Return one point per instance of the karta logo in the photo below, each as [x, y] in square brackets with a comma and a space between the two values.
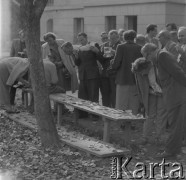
[166, 170]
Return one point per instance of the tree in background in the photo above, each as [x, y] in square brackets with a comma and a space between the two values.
[31, 12]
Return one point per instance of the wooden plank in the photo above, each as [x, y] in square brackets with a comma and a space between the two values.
[98, 110]
[62, 98]
[73, 139]
[106, 130]
[100, 150]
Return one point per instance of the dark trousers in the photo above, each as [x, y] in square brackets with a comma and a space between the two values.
[88, 90]
[108, 91]
[105, 91]
[113, 91]
[177, 119]
[12, 95]
[13, 90]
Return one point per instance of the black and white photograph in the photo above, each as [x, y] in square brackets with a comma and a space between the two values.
[92, 89]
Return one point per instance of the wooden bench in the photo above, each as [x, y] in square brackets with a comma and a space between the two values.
[107, 114]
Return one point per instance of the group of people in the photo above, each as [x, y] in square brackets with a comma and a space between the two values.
[160, 78]
[149, 70]
[130, 70]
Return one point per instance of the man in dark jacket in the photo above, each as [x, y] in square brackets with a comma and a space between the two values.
[173, 82]
[88, 69]
[150, 94]
[126, 54]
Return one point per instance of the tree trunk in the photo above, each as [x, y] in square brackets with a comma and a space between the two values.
[31, 13]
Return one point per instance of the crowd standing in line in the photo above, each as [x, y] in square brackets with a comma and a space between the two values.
[128, 69]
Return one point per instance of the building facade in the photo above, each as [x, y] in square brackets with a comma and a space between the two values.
[69, 17]
[5, 24]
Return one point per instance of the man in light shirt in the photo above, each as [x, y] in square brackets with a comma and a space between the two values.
[51, 76]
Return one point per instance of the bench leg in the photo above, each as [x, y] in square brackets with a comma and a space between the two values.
[59, 114]
[76, 115]
[106, 130]
[25, 99]
[127, 133]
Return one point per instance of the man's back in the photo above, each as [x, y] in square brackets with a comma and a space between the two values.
[50, 72]
[171, 47]
[87, 63]
[173, 80]
[126, 54]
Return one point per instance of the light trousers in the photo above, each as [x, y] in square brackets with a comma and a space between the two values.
[127, 98]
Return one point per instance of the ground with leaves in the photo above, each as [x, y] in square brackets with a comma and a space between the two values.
[23, 157]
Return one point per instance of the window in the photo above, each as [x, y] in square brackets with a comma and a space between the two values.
[110, 23]
[78, 27]
[50, 3]
[49, 25]
[131, 22]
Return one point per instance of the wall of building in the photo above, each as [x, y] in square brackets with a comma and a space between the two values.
[5, 30]
[63, 13]
[175, 12]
